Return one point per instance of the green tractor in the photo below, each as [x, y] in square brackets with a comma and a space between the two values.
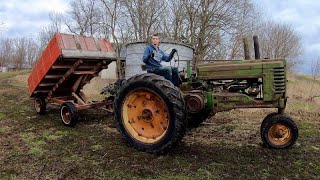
[153, 115]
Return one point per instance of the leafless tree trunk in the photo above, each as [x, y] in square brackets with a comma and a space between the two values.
[20, 52]
[83, 18]
[315, 72]
[46, 33]
[214, 27]
[280, 41]
[32, 52]
[145, 16]
[111, 10]
[6, 51]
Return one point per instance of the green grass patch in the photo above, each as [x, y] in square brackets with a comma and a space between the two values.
[36, 150]
[96, 147]
[35, 143]
[28, 137]
[303, 105]
[2, 130]
[2, 115]
[7, 174]
[7, 75]
[73, 158]
[32, 140]
[309, 129]
[53, 136]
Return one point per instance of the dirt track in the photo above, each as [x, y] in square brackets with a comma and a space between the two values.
[226, 146]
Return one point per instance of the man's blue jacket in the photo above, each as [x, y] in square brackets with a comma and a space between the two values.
[153, 56]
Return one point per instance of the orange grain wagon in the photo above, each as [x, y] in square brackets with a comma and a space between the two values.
[65, 66]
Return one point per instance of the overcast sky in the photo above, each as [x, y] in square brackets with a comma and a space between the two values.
[27, 17]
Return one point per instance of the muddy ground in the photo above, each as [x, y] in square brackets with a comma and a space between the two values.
[227, 146]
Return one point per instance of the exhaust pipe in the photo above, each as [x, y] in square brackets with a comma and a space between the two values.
[246, 49]
[256, 47]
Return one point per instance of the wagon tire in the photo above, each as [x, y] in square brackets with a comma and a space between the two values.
[40, 105]
[69, 114]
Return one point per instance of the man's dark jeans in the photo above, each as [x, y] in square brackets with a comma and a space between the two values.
[170, 73]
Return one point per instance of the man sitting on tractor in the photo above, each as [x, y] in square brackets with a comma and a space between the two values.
[153, 56]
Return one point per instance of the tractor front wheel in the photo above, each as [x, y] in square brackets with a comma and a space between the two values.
[150, 113]
[278, 131]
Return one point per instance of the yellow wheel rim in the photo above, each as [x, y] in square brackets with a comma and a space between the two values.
[279, 134]
[145, 116]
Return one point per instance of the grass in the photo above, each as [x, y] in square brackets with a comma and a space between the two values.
[2, 115]
[54, 136]
[227, 146]
[12, 74]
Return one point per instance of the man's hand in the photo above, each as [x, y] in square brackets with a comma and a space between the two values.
[173, 51]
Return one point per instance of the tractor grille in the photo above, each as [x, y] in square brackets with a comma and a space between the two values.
[279, 80]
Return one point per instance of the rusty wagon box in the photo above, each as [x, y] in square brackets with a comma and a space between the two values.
[65, 66]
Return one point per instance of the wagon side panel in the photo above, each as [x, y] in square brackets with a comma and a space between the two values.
[44, 63]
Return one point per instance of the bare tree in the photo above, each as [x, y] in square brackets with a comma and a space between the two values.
[32, 52]
[6, 51]
[211, 25]
[83, 18]
[18, 51]
[214, 27]
[173, 21]
[145, 16]
[280, 41]
[20, 45]
[56, 25]
[245, 22]
[110, 18]
[315, 72]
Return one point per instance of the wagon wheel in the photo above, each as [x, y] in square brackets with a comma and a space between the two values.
[69, 114]
[40, 105]
[150, 113]
[279, 131]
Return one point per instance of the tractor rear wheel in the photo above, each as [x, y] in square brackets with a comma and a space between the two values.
[40, 105]
[150, 113]
[279, 131]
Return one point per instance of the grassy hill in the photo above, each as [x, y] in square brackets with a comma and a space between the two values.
[226, 146]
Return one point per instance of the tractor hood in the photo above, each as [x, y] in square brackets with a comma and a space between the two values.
[236, 69]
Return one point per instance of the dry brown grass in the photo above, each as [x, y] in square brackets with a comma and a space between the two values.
[300, 89]
[92, 90]
[227, 145]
